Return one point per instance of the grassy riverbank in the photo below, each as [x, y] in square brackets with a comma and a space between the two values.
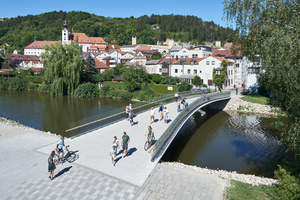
[245, 191]
[256, 98]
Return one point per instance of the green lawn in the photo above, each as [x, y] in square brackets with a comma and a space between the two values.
[256, 98]
[244, 191]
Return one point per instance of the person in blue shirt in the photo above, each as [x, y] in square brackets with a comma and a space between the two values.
[60, 145]
[161, 111]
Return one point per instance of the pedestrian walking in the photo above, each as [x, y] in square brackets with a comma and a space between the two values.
[113, 155]
[183, 103]
[130, 107]
[149, 133]
[152, 114]
[176, 96]
[178, 106]
[161, 110]
[131, 115]
[125, 141]
[51, 164]
[237, 91]
[127, 112]
[166, 112]
[116, 144]
[203, 95]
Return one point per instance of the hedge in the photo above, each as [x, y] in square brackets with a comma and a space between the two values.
[118, 85]
[161, 88]
[34, 79]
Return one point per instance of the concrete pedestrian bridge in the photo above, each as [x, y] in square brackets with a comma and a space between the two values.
[94, 147]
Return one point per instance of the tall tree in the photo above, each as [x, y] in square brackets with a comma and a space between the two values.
[89, 67]
[63, 67]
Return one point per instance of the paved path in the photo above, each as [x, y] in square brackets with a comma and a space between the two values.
[94, 147]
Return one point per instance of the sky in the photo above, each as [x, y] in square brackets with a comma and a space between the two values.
[211, 10]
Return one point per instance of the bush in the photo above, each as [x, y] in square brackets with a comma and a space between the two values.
[17, 84]
[170, 80]
[156, 78]
[86, 90]
[115, 85]
[124, 95]
[96, 79]
[288, 186]
[204, 85]
[161, 88]
[184, 86]
[3, 83]
[44, 87]
[32, 87]
[34, 79]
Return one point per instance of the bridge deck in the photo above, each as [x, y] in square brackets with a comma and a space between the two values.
[94, 147]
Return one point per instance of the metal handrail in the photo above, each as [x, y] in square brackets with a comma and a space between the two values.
[115, 115]
[167, 137]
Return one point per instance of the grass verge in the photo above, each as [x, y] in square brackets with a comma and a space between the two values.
[245, 191]
[256, 98]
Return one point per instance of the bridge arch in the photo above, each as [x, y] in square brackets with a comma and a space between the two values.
[167, 137]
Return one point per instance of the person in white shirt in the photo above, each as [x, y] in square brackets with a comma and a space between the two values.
[116, 144]
[166, 112]
[152, 114]
[113, 154]
[176, 96]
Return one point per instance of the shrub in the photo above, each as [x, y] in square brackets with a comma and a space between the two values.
[204, 85]
[116, 85]
[156, 78]
[44, 87]
[161, 88]
[86, 90]
[3, 83]
[184, 86]
[288, 186]
[170, 80]
[124, 95]
[32, 87]
[96, 79]
[34, 79]
[17, 84]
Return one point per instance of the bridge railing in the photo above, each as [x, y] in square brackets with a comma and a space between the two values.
[92, 123]
[167, 137]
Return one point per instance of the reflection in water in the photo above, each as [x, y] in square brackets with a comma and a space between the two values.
[233, 142]
[52, 113]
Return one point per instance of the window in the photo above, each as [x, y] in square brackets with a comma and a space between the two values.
[213, 62]
[189, 71]
[176, 70]
[237, 65]
[64, 33]
[207, 62]
[184, 52]
[228, 72]
[231, 81]
[195, 71]
[160, 70]
[194, 55]
[231, 72]
[200, 71]
[192, 62]
[152, 70]
[147, 69]
[164, 70]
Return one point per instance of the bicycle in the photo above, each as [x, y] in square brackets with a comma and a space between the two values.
[149, 143]
[68, 156]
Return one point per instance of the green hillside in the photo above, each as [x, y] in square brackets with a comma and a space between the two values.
[20, 31]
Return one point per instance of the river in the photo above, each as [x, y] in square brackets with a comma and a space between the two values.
[233, 142]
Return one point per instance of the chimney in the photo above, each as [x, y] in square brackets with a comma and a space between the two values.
[34, 38]
[133, 40]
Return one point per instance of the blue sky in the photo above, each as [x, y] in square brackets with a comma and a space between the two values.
[211, 10]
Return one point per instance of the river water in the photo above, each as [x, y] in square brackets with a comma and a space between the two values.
[243, 143]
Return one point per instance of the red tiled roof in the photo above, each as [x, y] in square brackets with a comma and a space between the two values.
[228, 45]
[100, 65]
[98, 48]
[82, 38]
[222, 58]
[6, 70]
[221, 53]
[36, 69]
[113, 46]
[144, 48]
[40, 44]
[24, 57]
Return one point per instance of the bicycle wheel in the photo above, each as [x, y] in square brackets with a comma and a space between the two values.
[70, 156]
[146, 146]
[56, 159]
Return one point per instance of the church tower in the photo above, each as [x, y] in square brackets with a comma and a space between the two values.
[65, 34]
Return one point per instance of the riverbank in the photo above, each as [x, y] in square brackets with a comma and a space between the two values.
[244, 178]
[237, 104]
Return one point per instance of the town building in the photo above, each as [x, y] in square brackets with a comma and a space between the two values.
[37, 47]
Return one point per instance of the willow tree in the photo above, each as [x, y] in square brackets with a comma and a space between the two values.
[63, 67]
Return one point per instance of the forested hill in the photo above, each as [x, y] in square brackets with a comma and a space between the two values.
[20, 31]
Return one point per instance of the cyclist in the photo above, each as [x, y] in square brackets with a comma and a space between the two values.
[150, 134]
[60, 145]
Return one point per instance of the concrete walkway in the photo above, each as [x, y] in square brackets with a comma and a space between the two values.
[24, 175]
[94, 147]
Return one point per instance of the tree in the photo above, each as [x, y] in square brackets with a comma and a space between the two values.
[197, 80]
[220, 81]
[63, 67]
[156, 56]
[89, 67]
[119, 69]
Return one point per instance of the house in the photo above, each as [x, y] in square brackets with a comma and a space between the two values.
[118, 79]
[100, 66]
[127, 57]
[139, 59]
[151, 66]
[200, 52]
[37, 47]
[97, 49]
[17, 59]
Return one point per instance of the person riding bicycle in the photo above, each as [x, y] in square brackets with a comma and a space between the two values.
[60, 145]
[150, 134]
